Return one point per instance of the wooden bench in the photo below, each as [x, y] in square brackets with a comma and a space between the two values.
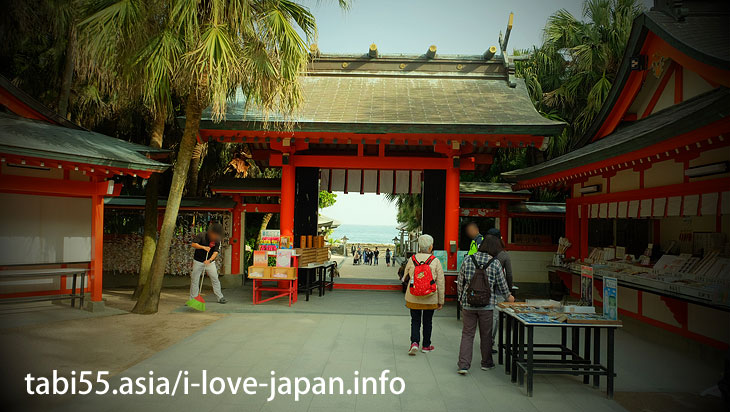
[7, 274]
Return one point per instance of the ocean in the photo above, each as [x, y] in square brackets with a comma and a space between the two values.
[366, 233]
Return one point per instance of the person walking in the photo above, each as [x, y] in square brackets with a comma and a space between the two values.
[479, 317]
[495, 247]
[422, 272]
[375, 255]
[387, 257]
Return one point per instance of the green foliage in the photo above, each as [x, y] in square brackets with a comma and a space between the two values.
[326, 199]
[409, 209]
[569, 76]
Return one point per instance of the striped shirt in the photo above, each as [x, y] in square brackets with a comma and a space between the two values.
[494, 273]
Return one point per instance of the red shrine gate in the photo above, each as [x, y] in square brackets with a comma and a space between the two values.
[389, 125]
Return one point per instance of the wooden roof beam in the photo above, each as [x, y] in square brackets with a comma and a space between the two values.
[431, 52]
[505, 41]
[373, 51]
[491, 51]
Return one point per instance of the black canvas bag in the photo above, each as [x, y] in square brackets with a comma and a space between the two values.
[479, 292]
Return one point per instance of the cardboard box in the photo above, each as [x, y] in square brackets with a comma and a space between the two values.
[259, 272]
[283, 273]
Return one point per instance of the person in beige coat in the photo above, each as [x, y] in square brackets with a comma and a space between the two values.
[422, 307]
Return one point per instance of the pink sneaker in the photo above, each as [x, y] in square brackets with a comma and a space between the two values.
[414, 348]
[427, 349]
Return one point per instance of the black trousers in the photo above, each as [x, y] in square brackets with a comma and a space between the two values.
[419, 317]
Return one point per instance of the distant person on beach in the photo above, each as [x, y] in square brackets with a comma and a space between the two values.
[387, 257]
[420, 267]
[353, 250]
[356, 258]
[472, 230]
[375, 255]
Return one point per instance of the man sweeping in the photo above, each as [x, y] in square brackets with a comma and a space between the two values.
[206, 245]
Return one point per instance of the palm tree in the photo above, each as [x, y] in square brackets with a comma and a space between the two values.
[249, 44]
[128, 48]
[410, 209]
[570, 75]
[48, 30]
[203, 50]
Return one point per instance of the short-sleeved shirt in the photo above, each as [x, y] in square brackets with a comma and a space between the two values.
[202, 239]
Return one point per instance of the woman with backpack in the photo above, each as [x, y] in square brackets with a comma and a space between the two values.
[480, 280]
[424, 294]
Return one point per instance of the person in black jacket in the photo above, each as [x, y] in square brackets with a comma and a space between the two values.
[207, 246]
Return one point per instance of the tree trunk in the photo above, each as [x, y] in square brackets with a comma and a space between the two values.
[68, 72]
[149, 299]
[149, 242]
[264, 225]
[195, 168]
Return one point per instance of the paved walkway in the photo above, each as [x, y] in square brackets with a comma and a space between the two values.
[380, 271]
[322, 343]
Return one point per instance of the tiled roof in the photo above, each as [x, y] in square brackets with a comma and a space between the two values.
[34, 138]
[138, 202]
[489, 188]
[676, 120]
[424, 97]
[703, 35]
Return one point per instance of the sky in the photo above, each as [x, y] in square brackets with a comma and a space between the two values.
[365, 209]
[410, 27]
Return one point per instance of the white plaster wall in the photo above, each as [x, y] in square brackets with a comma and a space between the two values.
[529, 266]
[694, 84]
[44, 229]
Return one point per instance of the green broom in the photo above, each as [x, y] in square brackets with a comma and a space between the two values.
[198, 303]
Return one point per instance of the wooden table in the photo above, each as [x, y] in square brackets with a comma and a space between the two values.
[517, 350]
[320, 273]
[53, 272]
[289, 290]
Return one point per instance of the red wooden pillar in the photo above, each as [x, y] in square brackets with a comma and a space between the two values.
[236, 237]
[97, 245]
[451, 214]
[286, 216]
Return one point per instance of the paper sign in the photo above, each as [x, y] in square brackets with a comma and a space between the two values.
[260, 258]
[442, 257]
[586, 285]
[610, 298]
[283, 258]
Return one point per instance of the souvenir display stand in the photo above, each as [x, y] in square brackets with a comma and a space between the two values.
[274, 269]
